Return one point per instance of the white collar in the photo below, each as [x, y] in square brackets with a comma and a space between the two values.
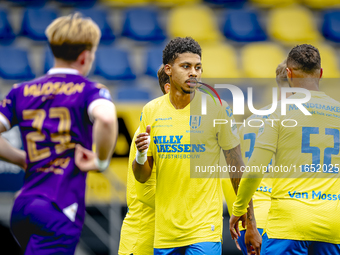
[59, 70]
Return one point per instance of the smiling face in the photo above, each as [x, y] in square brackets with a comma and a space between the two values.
[184, 72]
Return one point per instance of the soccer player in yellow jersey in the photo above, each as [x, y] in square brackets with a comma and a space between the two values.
[305, 205]
[248, 134]
[188, 211]
[137, 234]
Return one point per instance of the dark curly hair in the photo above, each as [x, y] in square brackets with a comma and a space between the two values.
[304, 57]
[178, 46]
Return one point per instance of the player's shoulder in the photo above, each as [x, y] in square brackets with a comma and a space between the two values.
[19, 86]
[216, 104]
[37, 80]
[214, 101]
[89, 84]
[257, 116]
[156, 103]
[93, 87]
[332, 101]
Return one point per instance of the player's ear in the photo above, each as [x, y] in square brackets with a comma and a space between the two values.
[289, 73]
[167, 69]
[167, 88]
[321, 72]
[82, 57]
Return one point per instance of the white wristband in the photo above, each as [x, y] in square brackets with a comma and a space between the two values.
[141, 157]
[102, 165]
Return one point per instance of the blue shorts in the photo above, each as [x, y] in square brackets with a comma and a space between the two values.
[294, 247]
[40, 227]
[241, 242]
[193, 249]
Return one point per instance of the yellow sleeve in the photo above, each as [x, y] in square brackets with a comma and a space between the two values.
[227, 135]
[142, 126]
[268, 135]
[146, 191]
[251, 180]
[229, 194]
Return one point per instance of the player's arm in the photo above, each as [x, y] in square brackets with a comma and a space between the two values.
[229, 194]
[105, 133]
[9, 153]
[142, 165]
[248, 186]
[234, 158]
[7, 120]
[230, 198]
[251, 180]
[105, 130]
[146, 192]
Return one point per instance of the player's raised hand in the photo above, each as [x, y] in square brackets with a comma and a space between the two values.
[143, 140]
[253, 241]
[85, 159]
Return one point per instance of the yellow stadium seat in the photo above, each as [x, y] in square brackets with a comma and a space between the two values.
[219, 61]
[260, 60]
[126, 3]
[196, 21]
[293, 25]
[98, 188]
[167, 3]
[319, 4]
[329, 61]
[271, 3]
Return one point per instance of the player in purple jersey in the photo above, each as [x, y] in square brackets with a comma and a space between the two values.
[60, 116]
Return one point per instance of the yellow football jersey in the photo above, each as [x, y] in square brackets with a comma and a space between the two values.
[261, 198]
[304, 206]
[188, 201]
[137, 233]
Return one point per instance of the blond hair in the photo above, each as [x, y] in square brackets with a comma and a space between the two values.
[70, 35]
[281, 74]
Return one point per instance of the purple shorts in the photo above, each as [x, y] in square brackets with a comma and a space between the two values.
[40, 227]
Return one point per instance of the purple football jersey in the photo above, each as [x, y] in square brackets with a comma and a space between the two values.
[52, 113]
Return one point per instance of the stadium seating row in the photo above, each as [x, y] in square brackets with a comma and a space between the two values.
[63, 2]
[258, 60]
[289, 25]
[260, 3]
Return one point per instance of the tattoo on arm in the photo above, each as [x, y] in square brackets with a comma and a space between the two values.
[234, 158]
[250, 213]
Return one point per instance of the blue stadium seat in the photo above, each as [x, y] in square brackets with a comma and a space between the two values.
[113, 64]
[6, 32]
[154, 59]
[14, 64]
[35, 21]
[48, 60]
[100, 17]
[243, 26]
[29, 2]
[331, 25]
[228, 3]
[136, 94]
[80, 3]
[142, 24]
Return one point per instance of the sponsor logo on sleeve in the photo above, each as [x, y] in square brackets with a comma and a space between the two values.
[105, 93]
